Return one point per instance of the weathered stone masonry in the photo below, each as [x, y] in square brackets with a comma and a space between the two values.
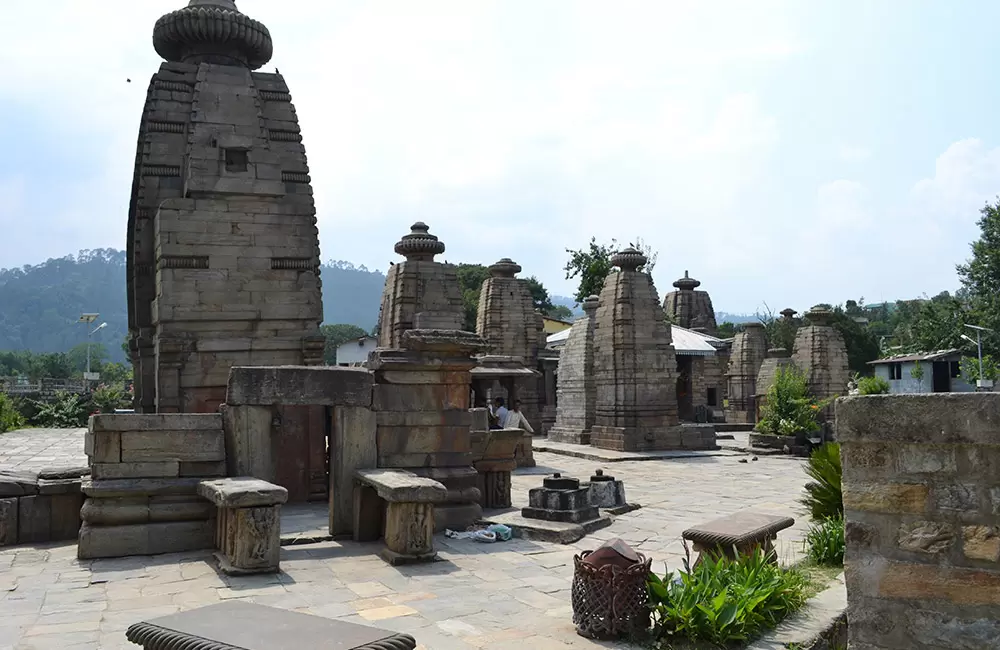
[223, 253]
[922, 503]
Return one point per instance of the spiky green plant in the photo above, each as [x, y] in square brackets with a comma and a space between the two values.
[824, 497]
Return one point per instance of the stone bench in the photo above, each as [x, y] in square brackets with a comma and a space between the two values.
[738, 534]
[399, 507]
[248, 523]
[236, 624]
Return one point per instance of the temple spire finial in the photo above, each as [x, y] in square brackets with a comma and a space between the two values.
[212, 31]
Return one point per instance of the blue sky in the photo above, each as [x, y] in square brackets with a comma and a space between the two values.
[786, 153]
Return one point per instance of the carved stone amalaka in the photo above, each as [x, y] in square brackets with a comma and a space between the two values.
[209, 287]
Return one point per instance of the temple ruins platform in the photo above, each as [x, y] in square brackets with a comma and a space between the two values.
[611, 456]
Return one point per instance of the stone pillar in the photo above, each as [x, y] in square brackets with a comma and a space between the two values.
[421, 399]
[634, 363]
[577, 392]
[749, 351]
[922, 511]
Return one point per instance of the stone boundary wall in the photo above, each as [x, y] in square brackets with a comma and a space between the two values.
[37, 507]
[922, 502]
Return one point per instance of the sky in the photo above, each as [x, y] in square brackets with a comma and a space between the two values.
[785, 153]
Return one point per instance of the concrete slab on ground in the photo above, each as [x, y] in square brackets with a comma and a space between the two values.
[611, 456]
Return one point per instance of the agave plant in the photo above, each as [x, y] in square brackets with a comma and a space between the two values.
[823, 493]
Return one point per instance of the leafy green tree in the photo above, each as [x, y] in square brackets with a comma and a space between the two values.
[728, 330]
[117, 374]
[560, 312]
[77, 356]
[337, 335]
[980, 275]
[969, 367]
[592, 265]
[470, 279]
[539, 295]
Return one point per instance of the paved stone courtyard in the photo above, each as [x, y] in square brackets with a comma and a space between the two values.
[479, 595]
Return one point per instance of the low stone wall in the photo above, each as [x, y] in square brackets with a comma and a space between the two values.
[42, 506]
[680, 437]
[142, 494]
[922, 501]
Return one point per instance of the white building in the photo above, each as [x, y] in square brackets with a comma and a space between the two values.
[355, 353]
[930, 372]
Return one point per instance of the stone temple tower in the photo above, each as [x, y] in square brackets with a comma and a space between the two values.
[506, 316]
[634, 363]
[821, 354]
[223, 253]
[419, 292]
[749, 352]
[690, 308]
[577, 393]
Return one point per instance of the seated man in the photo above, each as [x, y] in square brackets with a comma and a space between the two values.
[499, 411]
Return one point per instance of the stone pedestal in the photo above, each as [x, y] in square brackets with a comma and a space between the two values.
[577, 392]
[421, 400]
[606, 492]
[493, 457]
[248, 523]
[634, 363]
[560, 499]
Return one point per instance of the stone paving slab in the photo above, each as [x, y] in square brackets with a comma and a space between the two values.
[612, 456]
[34, 449]
[478, 596]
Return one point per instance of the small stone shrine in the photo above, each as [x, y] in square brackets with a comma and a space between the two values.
[821, 354]
[749, 351]
[777, 359]
[577, 392]
[223, 253]
[560, 499]
[419, 292]
[634, 363]
[689, 308]
[606, 492]
[421, 400]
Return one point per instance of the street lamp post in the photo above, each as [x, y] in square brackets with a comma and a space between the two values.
[88, 319]
[983, 383]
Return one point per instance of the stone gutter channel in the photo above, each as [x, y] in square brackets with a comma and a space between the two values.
[820, 625]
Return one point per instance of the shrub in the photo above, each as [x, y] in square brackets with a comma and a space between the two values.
[106, 398]
[10, 416]
[723, 600]
[825, 542]
[66, 411]
[823, 493]
[873, 386]
[789, 409]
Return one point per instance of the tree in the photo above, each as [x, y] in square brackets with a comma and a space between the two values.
[539, 295]
[117, 374]
[980, 275]
[592, 265]
[337, 335]
[470, 279]
[560, 312]
[728, 330]
[78, 356]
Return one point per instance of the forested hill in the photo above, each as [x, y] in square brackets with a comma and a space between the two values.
[40, 305]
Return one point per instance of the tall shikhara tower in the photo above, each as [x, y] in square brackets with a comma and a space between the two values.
[223, 253]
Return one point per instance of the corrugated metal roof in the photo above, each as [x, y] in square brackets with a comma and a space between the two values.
[919, 356]
[686, 342]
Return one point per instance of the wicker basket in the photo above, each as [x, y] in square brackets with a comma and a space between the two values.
[609, 601]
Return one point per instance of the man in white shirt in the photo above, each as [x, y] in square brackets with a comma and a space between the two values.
[500, 411]
[516, 420]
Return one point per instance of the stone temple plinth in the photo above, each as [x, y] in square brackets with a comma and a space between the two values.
[560, 498]
[223, 253]
[689, 308]
[821, 354]
[576, 392]
[749, 351]
[635, 366]
[420, 293]
[507, 320]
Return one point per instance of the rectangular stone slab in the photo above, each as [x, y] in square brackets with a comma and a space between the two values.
[245, 626]
[738, 529]
[242, 492]
[401, 486]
